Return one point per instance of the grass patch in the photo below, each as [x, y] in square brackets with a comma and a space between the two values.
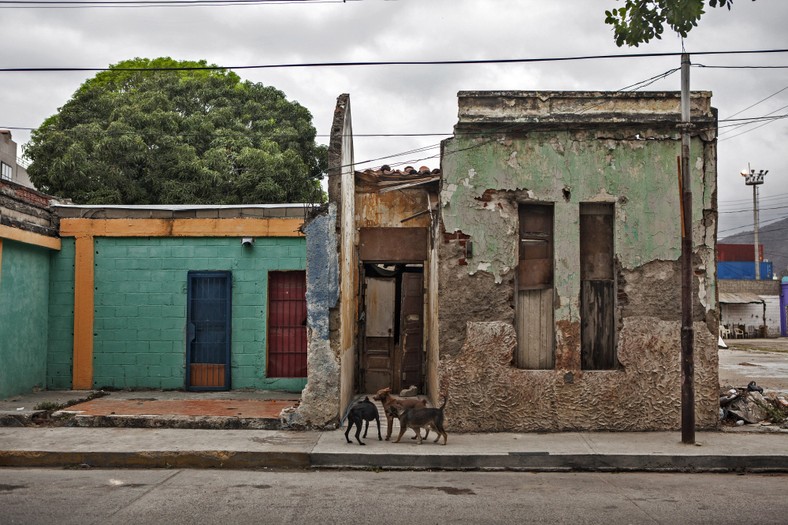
[49, 406]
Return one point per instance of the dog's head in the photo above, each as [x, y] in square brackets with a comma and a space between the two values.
[382, 394]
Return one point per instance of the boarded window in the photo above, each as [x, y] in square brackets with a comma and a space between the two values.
[535, 325]
[287, 324]
[597, 286]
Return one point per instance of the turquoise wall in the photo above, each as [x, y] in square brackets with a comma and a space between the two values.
[140, 307]
[60, 349]
[24, 298]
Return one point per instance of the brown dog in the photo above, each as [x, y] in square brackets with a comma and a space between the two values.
[418, 418]
[389, 400]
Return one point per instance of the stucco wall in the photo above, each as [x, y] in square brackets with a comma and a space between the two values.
[635, 169]
[24, 297]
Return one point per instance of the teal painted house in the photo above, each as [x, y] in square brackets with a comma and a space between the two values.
[159, 297]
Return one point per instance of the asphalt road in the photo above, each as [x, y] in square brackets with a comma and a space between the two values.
[764, 361]
[83, 497]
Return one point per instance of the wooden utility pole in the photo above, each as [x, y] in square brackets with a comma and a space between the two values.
[687, 332]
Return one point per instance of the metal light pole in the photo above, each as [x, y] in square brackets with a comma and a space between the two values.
[755, 179]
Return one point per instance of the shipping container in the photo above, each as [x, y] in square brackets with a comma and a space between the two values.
[738, 252]
[743, 270]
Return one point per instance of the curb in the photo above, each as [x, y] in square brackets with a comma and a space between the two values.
[536, 462]
[207, 459]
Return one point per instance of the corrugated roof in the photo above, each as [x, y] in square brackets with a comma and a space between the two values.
[739, 298]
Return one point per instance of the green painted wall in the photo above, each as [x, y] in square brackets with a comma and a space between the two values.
[140, 307]
[565, 169]
[24, 297]
[60, 349]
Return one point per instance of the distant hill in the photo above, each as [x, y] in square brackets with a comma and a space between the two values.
[774, 238]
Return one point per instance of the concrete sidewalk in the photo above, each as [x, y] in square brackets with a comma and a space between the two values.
[255, 449]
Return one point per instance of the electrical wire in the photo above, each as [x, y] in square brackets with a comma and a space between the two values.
[384, 63]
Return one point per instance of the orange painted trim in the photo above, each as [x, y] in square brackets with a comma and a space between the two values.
[15, 234]
[251, 227]
[82, 375]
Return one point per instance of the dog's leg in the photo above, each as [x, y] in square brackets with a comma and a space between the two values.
[389, 422]
[402, 430]
[377, 420]
[349, 426]
[418, 434]
[358, 432]
[366, 429]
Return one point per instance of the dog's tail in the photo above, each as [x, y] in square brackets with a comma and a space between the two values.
[445, 400]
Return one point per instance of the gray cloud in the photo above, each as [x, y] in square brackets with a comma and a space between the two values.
[420, 98]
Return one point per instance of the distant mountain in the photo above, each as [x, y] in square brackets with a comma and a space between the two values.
[774, 238]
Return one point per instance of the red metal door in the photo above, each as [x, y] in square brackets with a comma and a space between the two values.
[287, 324]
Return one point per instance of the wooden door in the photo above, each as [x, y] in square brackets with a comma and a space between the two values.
[535, 310]
[410, 351]
[378, 355]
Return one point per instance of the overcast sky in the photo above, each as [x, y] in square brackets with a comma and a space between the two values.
[421, 99]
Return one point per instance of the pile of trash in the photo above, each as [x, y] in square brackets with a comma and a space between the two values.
[749, 405]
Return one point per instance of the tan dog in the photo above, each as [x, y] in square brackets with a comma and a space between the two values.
[418, 418]
[389, 401]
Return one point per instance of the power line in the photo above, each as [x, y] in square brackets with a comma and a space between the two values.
[384, 62]
[66, 4]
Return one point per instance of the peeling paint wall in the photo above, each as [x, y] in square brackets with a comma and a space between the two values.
[320, 398]
[565, 149]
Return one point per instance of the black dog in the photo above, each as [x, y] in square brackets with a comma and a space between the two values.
[364, 410]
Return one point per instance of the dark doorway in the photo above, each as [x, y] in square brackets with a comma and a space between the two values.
[208, 316]
[391, 328]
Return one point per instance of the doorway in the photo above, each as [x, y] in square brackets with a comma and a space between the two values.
[208, 317]
[391, 327]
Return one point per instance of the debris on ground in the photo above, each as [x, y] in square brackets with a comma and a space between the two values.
[749, 405]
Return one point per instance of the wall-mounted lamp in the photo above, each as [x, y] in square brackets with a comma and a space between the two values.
[247, 241]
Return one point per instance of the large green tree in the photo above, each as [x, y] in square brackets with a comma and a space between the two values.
[640, 21]
[198, 136]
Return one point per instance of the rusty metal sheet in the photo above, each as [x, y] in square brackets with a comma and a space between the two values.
[393, 244]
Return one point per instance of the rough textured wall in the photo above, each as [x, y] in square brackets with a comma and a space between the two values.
[60, 346]
[487, 394]
[486, 178]
[320, 398]
[140, 307]
[24, 300]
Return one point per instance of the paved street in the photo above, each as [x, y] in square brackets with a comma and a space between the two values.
[764, 361]
[30, 496]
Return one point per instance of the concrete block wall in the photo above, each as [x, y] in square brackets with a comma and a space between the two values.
[24, 298]
[140, 307]
[60, 346]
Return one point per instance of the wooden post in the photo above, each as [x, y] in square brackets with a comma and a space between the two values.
[687, 332]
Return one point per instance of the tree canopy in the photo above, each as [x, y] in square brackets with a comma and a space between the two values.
[139, 133]
[640, 21]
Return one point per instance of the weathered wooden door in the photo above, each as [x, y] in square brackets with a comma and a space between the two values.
[535, 325]
[378, 356]
[411, 348]
[597, 287]
[208, 316]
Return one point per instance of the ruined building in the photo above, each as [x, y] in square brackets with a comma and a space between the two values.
[534, 278]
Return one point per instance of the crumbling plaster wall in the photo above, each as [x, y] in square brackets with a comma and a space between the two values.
[320, 398]
[483, 181]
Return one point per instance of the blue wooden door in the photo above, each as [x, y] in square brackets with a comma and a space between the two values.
[208, 314]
